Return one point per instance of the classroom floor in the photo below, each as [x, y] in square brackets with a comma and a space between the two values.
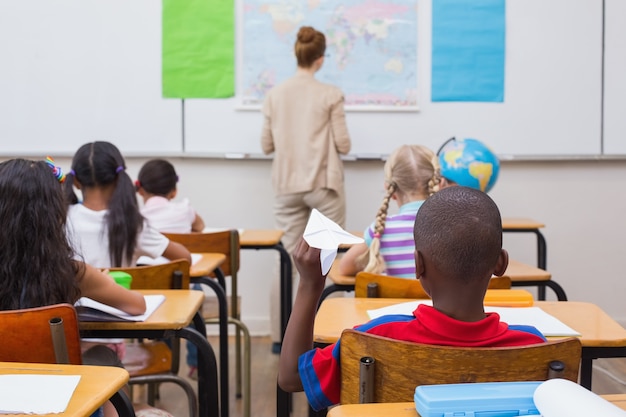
[264, 368]
[609, 377]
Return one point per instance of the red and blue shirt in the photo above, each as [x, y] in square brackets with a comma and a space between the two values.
[320, 368]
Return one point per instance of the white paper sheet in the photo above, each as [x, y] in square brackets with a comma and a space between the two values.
[36, 394]
[547, 324]
[325, 234]
[152, 303]
[560, 397]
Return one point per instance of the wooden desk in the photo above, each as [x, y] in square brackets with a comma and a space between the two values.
[207, 264]
[408, 409]
[97, 385]
[522, 275]
[601, 336]
[172, 318]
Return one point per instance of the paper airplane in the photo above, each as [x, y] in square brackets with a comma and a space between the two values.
[325, 234]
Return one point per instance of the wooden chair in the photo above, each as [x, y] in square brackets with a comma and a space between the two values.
[152, 362]
[401, 366]
[227, 243]
[394, 287]
[412, 287]
[32, 327]
[48, 334]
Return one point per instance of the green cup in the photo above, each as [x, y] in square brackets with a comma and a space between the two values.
[122, 278]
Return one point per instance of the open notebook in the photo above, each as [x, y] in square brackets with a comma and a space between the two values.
[547, 324]
[90, 310]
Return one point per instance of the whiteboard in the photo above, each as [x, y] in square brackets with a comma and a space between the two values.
[615, 77]
[75, 71]
[552, 105]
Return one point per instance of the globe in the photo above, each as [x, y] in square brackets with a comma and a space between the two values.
[470, 163]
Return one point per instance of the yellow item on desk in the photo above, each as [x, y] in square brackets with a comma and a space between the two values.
[508, 298]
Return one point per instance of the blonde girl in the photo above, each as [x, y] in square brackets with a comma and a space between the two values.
[411, 176]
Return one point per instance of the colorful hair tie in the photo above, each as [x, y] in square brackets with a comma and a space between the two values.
[56, 170]
[119, 169]
[72, 173]
[137, 183]
[377, 235]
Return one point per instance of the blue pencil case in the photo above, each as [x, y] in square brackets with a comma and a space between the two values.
[488, 399]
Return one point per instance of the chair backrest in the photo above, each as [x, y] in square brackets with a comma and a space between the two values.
[30, 335]
[401, 366]
[394, 287]
[225, 241]
[172, 275]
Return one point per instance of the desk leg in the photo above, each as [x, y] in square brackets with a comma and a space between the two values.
[283, 402]
[542, 248]
[122, 404]
[286, 290]
[207, 370]
[283, 399]
[541, 261]
[542, 255]
[223, 329]
[589, 353]
[586, 371]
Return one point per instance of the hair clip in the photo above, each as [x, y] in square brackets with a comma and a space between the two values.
[56, 170]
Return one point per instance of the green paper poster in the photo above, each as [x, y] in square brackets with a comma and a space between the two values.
[198, 48]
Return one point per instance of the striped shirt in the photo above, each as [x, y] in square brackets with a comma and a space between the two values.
[397, 246]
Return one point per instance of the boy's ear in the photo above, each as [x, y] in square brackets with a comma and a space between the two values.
[419, 264]
[502, 263]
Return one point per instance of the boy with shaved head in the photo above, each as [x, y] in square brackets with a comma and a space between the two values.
[458, 247]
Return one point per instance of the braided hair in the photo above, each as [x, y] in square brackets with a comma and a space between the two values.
[411, 173]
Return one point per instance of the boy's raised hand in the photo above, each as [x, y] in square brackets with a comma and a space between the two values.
[299, 333]
[307, 261]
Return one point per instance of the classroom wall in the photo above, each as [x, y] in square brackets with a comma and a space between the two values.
[582, 204]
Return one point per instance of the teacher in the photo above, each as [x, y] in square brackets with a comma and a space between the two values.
[305, 128]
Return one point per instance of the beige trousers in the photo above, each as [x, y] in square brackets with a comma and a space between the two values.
[291, 214]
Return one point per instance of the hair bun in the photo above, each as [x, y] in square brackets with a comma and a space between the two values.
[306, 34]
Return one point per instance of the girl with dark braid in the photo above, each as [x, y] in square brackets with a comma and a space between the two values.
[411, 176]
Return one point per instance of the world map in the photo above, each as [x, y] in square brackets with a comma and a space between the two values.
[371, 48]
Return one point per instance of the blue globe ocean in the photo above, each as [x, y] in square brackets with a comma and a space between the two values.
[470, 163]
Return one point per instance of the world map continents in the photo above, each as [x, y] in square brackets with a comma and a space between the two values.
[371, 48]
